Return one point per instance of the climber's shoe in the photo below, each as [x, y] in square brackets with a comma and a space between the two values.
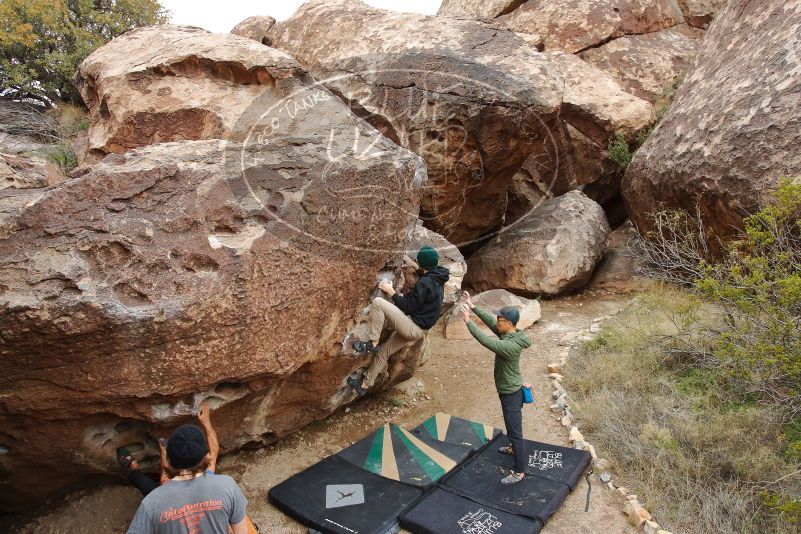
[506, 450]
[356, 384]
[512, 478]
[364, 347]
[124, 457]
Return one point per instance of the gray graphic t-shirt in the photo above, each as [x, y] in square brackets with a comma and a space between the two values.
[204, 505]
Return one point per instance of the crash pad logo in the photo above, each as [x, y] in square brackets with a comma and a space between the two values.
[479, 522]
[339, 495]
[544, 460]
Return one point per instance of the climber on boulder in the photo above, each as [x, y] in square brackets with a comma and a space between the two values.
[191, 496]
[409, 316]
[507, 347]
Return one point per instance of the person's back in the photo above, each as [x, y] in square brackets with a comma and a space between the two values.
[207, 504]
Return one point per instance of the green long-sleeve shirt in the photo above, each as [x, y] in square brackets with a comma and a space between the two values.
[507, 349]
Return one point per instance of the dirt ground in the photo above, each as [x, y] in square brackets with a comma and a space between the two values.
[457, 380]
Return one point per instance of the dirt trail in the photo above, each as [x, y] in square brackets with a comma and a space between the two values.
[457, 380]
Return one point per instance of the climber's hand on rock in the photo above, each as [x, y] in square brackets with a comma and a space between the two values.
[467, 299]
[386, 288]
[409, 262]
[203, 415]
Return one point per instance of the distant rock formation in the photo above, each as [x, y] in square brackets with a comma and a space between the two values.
[733, 128]
[255, 28]
[474, 100]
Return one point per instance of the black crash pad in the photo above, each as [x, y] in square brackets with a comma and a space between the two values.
[480, 481]
[551, 462]
[443, 512]
[334, 496]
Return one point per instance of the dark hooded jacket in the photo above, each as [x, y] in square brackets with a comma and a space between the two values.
[424, 302]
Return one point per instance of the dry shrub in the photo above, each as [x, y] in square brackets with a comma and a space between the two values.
[700, 458]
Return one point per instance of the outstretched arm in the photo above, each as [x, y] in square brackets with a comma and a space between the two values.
[487, 318]
[163, 477]
[211, 436]
[503, 348]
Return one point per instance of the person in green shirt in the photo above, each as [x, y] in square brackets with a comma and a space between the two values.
[507, 347]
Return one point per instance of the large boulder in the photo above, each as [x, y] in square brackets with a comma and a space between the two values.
[476, 10]
[550, 251]
[473, 101]
[576, 25]
[733, 128]
[595, 108]
[193, 270]
[648, 64]
[492, 301]
[173, 83]
[461, 94]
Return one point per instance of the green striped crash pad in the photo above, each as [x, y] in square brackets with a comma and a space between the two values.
[397, 454]
[365, 487]
[445, 428]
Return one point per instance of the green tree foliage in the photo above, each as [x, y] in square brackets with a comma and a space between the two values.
[42, 42]
[758, 285]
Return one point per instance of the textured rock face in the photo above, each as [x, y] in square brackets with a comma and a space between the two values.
[172, 83]
[575, 25]
[646, 64]
[595, 107]
[472, 9]
[492, 300]
[189, 271]
[550, 251]
[722, 145]
[255, 28]
[617, 272]
[20, 172]
[699, 13]
[471, 100]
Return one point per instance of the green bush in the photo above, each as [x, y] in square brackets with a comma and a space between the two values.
[619, 151]
[701, 458]
[63, 156]
[696, 392]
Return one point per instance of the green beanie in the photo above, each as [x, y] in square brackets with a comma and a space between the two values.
[427, 257]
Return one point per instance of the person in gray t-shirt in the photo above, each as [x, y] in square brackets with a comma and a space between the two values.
[195, 500]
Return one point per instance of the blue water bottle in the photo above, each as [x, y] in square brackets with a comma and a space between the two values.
[528, 396]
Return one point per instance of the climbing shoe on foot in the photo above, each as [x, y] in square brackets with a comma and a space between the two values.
[356, 384]
[364, 347]
[506, 450]
[124, 457]
[512, 478]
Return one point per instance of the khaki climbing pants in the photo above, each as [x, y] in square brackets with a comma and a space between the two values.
[405, 332]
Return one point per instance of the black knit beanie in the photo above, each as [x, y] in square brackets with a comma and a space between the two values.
[186, 447]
